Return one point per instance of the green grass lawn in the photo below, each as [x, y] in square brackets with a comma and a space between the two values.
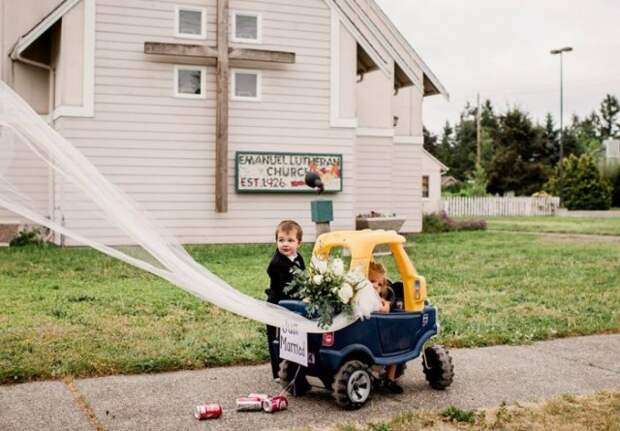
[590, 226]
[76, 312]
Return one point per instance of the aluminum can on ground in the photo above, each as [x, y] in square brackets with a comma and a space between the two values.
[275, 404]
[208, 411]
[260, 396]
[249, 404]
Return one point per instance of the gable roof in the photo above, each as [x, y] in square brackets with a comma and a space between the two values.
[370, 26]
[433, 159]
[35, 32]
[380, 38]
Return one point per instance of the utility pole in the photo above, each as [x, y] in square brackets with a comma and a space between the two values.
[554, 52]
[478, 137]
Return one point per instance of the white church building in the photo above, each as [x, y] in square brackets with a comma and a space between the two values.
[208, 113]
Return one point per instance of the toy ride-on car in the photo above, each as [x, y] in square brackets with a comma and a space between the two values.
[350, 362]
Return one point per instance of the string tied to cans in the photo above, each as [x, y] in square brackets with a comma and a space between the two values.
[250, 403]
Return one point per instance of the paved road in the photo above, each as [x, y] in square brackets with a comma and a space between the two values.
[484, 377]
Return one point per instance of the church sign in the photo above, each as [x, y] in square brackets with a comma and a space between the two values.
[285, 172]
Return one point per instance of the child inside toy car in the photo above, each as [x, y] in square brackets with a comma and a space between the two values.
[377, 274]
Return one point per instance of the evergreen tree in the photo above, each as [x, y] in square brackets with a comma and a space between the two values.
[551, 141]
[488, 119]
[464, 148]
[488, 125]
[519, 163]
[446, 144]
[430, 142]
[609, 125]
[585, 133]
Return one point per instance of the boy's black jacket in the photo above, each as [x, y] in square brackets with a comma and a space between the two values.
[280, 275]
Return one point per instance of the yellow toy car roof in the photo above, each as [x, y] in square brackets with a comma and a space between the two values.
[361, 244]
[359, 238]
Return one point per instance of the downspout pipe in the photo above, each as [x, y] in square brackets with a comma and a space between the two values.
[16, 56]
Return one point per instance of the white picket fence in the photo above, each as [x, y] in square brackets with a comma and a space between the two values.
[501, 206]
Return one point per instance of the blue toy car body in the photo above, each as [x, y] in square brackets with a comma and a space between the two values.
[384, 339]
[350, 361]
[367, 346]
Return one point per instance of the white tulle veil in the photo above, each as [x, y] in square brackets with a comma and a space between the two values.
[35, 157]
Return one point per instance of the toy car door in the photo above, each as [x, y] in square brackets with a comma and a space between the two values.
[398, 331]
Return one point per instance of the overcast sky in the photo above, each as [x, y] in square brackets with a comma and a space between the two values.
[500, 48]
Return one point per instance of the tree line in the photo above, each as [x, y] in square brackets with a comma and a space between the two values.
[519, 155]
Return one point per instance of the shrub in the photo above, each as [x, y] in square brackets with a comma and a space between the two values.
[474, 186]
[583, 187]
[27, 237]
[441, 222]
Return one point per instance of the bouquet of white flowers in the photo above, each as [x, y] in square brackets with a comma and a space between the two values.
[328, 291]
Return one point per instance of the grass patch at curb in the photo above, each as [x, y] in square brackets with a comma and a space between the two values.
[600, 411]
[74, 312]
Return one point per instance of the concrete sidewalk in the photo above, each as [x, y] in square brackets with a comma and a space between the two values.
[484, 377]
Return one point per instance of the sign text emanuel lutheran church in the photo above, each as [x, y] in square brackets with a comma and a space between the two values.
[285, 172]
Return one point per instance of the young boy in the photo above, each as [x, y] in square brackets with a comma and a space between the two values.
[288, 239]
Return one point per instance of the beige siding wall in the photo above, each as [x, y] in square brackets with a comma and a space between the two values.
[374, 101]
[373, 185]
[18, 164]
[407, 106]
[69, 70]
[433, 171]
[160, 149]
[348, 74]
[27, 174]
[389, 179]
[407, 185]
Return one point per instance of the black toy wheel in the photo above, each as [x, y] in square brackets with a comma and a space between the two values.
[290, 371]
[438, 368]
[352, 385]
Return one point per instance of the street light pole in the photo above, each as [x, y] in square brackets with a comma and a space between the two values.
[554, 52]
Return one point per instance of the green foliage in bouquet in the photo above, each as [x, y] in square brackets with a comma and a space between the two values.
[326, 289]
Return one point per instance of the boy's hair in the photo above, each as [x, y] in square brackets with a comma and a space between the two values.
[288, 226]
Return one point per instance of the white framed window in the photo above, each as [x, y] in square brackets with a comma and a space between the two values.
[190, 82]
[246, 85]
[247, 27]
[425, 186]
[190, 22]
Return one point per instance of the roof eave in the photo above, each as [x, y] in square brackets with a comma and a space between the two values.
[41, 27]
[434, 159]
[437, 86]
[431, 88]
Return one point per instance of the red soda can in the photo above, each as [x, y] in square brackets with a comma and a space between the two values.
[275, 404]
[249, 404]
[261, 396]
[208, 411]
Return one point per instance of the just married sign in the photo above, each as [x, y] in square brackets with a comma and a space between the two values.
[293, 344]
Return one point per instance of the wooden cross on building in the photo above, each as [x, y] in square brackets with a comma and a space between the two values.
[220, 56]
